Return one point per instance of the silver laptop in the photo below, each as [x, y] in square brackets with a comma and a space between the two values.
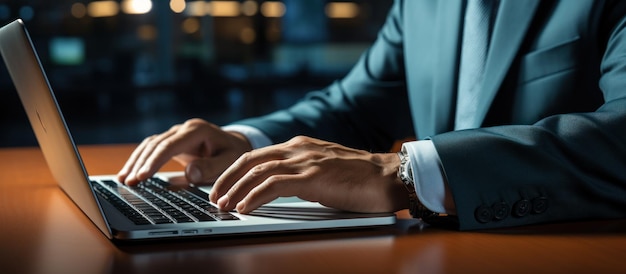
[155, 208]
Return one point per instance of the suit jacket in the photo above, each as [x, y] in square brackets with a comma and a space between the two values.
[550, 143]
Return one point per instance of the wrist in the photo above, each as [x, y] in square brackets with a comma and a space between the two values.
[241, 140]
[394, 189]
[253, 136]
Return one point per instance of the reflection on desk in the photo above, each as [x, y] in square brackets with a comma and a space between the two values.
[48, 234]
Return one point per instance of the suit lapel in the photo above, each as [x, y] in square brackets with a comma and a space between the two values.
[510, 27]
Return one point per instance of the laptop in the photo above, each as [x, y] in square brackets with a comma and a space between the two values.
[155, 209]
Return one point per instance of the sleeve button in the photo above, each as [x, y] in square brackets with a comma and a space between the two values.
[540, 205]
[500, 210]
[522, 208]
[483, 214]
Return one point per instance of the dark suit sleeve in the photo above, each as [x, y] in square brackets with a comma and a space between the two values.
[564, 167]
[367, 109]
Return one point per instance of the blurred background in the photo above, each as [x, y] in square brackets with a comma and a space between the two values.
[123, 70]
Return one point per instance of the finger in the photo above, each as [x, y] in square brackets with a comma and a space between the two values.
[128, 167]
[137, 172]
[166, 149]
[205, 170]
[255, 176]
[241, 167]
[284, 185]
[125, 170]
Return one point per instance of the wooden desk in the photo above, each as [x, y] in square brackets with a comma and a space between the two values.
[50, 235]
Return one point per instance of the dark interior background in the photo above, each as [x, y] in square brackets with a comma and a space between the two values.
[123, 70]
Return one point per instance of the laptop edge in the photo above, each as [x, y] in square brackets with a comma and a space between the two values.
[68, 170]
[52, 132]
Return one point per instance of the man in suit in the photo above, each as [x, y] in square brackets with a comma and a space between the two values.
[528, 127]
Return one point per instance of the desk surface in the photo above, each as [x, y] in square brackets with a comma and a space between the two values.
[50, 235]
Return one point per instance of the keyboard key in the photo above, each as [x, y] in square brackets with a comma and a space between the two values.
[123, 207]
[110, 183]
[161, 203]
[226, 217]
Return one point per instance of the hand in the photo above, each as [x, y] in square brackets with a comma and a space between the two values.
[203, 148]
[313, 170]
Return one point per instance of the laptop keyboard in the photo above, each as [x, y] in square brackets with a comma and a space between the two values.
[155, 201]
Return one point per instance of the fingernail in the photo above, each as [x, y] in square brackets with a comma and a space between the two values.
[223, 201]
[194, 174]
[240, 207]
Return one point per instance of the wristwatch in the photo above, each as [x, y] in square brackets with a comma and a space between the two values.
[405, 173]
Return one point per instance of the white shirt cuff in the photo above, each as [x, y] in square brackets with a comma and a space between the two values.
[431, 188]
[256, 138]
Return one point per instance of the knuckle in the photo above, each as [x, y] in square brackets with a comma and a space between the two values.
[245, 157]
[150, 138]
[194, 122]
[189, 123]
[258, 170]
[270, 185]
[272, 182]
[174, 128]
[264, 168]
[300, 139]
[300, 142]
[151, 144]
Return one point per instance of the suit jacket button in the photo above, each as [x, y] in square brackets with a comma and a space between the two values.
[522, 208]
[500, 210]
[483, 214]
[540, 205]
